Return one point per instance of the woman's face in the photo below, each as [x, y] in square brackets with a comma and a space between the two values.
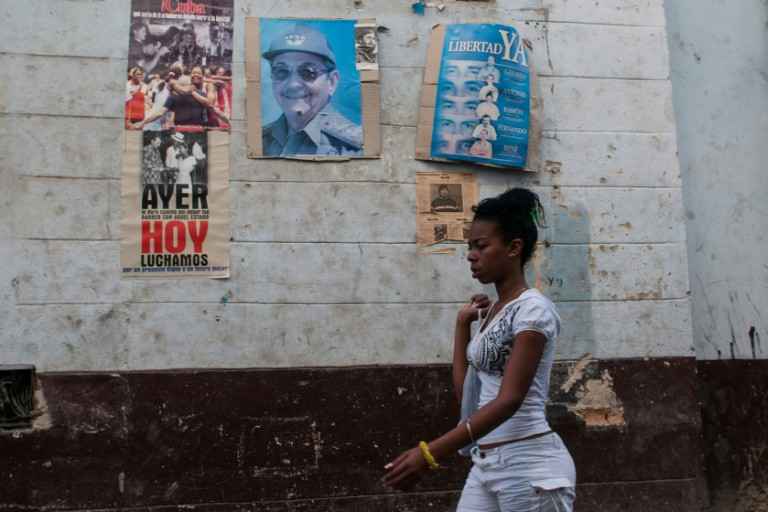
[490, 257]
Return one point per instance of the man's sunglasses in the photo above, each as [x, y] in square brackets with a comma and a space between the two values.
[307, 72]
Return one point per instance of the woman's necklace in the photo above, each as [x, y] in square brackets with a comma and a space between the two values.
[514, 295]
[499, 304]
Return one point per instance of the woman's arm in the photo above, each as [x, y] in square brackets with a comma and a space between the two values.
[460, 341]
[518, 374]
[467, 314]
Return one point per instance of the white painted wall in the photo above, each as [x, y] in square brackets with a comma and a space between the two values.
[325, 267]
[719, 55]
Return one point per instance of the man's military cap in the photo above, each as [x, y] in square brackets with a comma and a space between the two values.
[300, 38]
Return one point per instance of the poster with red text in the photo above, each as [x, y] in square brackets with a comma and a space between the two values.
[175, 202]
[178, 106]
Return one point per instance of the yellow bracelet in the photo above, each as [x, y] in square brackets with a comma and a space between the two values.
[424, 447]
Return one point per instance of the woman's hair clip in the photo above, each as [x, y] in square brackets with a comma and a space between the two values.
[537, 216]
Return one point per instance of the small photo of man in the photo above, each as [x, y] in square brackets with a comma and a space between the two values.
[366, 47]
[446, 198]
[310, 94]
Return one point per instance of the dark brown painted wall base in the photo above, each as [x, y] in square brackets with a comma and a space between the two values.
[734, 397]
[316, 439]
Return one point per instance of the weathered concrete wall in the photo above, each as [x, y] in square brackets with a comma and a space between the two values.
[719, 56]
[719, 62]
[325, 268]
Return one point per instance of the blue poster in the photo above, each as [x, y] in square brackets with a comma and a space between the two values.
[310, 96]
[482, 106]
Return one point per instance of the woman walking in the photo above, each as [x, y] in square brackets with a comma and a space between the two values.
[501, 374]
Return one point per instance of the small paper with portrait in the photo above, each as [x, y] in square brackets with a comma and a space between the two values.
[312, 88]
[444, 207]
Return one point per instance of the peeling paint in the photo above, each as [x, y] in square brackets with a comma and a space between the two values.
[577, 373]
[598, 404]
[42, 418]
[596, 401]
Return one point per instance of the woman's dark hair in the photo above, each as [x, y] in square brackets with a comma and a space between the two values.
[519, 214]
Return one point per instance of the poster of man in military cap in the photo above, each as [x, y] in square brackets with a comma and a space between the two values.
[310, 91]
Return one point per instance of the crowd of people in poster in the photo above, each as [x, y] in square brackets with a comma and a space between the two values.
[179, 66]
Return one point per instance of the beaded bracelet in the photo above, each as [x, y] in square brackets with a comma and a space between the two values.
[424, 447]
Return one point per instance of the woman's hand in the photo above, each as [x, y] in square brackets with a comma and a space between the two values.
[405, 470]
[470, 312]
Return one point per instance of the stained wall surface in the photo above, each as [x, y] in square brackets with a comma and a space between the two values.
[325, 267]
[719, 63]
[719, 55]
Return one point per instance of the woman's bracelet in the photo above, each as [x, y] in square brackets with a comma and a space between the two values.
[469, 431]
[431, 462]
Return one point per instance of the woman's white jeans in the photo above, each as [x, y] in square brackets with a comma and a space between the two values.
[535, 475]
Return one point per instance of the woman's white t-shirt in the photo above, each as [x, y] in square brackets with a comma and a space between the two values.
[489, 350]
